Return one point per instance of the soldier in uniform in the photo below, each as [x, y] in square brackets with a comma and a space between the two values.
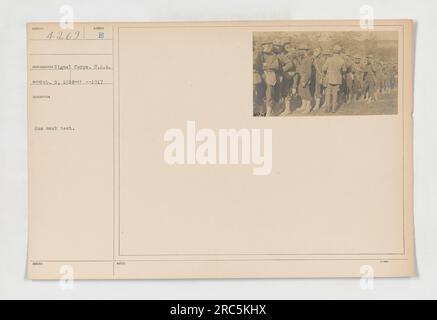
[326, 54]
[379, 74]
[318, 62]
[348, 79]
[391, 77]
[370, 79]
[278, 49]
[270, 69]
[288, 65]
[384, 77]
[258, 84]
[358, 73]
[334, 67]
[296, 77]
[304, 69]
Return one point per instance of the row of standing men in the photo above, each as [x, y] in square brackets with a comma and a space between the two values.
[318, 79]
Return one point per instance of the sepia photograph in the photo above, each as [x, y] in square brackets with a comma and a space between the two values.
[325, 73]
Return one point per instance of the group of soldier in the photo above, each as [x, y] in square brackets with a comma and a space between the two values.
[318, 79]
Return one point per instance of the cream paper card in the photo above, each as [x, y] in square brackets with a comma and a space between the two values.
[207, 150]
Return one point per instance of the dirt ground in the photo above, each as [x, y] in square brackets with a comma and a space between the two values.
[386, 105]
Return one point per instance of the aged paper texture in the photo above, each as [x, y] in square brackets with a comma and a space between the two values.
[273, 149]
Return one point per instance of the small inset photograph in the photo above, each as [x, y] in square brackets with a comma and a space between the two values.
[325, 73]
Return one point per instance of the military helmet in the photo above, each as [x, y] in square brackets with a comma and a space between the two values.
[337, 49]
[277, 43]
[317, 51]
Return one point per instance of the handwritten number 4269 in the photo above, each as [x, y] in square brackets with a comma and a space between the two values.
[62, 35]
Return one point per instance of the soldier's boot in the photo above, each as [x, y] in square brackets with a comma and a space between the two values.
[262, 112]
[317, 106]
[334, 107]
[325, 104]
[307, 108]
[287, 107]
[299, 109]
[269, 111]
[303, 107]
